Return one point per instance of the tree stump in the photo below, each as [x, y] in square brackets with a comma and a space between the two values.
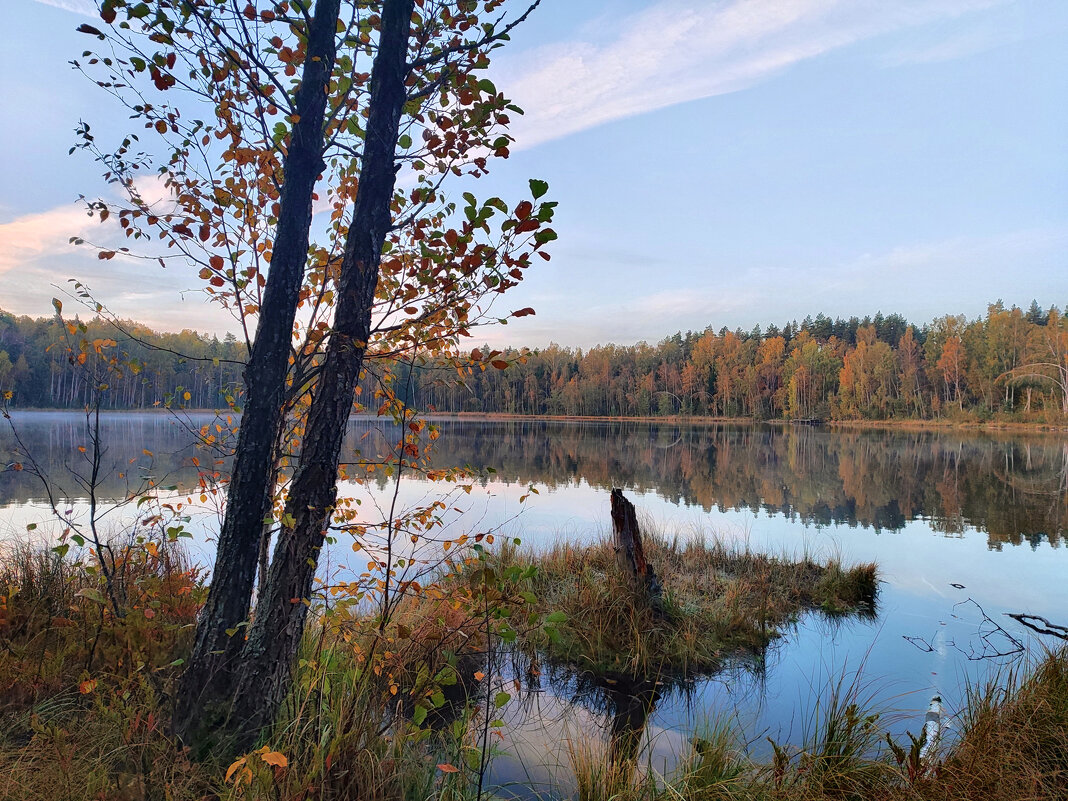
[630, 555]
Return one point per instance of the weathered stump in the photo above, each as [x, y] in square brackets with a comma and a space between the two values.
[630, 555]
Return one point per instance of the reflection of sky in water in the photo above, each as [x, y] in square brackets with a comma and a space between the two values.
[918, 565]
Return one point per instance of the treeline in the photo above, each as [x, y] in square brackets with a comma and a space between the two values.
[1010, 362]
[42, 364]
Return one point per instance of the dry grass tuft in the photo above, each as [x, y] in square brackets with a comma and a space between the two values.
[719, 601]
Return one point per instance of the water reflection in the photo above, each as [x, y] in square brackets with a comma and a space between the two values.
[1012, 487]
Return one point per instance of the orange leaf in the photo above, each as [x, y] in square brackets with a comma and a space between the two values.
[275, 758]
[445, 767]
[87, 687]
[233, 768]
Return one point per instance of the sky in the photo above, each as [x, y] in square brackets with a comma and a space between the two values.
[716, 163]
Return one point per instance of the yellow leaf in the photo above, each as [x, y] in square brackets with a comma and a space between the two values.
[275, 758]
[234, 768]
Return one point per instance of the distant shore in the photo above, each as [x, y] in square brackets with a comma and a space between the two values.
[908, 424]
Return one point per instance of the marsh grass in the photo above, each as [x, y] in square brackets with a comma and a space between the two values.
[1012, 746]
[85, 694]
[1014, 740]
[82, 690]
[719, 601]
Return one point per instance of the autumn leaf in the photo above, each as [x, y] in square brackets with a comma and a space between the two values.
[445, 767]
[87, 686]
[234, 767]
[275, 758]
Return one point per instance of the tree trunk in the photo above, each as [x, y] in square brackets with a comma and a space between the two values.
[276, 633]
[208, 679]
[630, 554]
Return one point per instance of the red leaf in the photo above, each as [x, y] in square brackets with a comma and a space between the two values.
[523, 312]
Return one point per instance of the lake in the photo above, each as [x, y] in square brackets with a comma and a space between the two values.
[965, 527]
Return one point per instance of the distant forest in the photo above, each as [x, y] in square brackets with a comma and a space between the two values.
[1010, 362]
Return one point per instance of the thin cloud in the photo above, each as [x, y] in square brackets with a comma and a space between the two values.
[679, 51]
[952, 48]
[84, 7]
[37, 261]
[34, 236]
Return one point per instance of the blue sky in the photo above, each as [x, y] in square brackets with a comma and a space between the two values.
[716, 163]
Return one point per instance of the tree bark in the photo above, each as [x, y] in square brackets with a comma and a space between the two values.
[274, 637]
[208, 679]
[630, 553]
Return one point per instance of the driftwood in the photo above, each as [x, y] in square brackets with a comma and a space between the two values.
[630, 554]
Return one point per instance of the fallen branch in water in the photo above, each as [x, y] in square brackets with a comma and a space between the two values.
[1051, 629]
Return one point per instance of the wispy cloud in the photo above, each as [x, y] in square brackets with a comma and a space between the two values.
[85, 7]
[677, 51]
[37, 259]
[921, 280]
[34, 236]
[951, 48]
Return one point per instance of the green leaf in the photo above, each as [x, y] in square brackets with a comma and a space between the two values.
[61, 550]
[501, 699]
[405, 141]
[538, 188]
[556, 617]
[486, 85]
[419, 715]
[91, 594]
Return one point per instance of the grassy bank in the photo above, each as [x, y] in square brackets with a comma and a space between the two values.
[388, 711]
[719, 601]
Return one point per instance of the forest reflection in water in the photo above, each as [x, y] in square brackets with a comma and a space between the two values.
[1012, 487]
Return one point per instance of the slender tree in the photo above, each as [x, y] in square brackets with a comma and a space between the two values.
[422, 106]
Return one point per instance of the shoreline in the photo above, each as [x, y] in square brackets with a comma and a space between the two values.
[910, 424]
[907, 424]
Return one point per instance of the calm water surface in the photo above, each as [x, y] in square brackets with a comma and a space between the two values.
[987, 512]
